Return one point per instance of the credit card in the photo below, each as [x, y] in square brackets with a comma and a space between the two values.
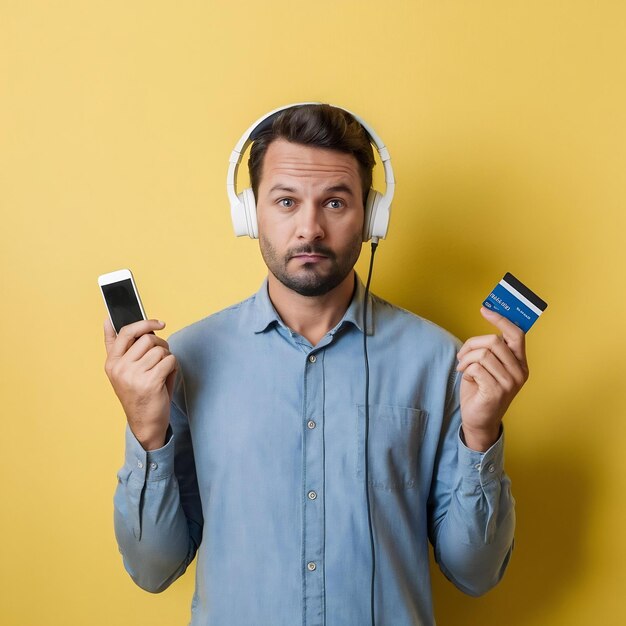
[513, 300]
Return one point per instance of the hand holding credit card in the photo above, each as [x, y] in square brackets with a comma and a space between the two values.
[494, 367]
[513, 300]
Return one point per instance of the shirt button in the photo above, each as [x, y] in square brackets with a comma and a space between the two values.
[312, 495]
[139, 464]
[311, 566]
[311, 424]
[312, 358]
[477, 466]
[153, 466]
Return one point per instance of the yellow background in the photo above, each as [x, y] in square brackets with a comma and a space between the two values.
[506, 123]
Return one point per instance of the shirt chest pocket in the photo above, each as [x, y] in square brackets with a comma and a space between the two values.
[395, 436]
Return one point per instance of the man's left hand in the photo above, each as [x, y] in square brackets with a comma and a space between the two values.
[494, 369]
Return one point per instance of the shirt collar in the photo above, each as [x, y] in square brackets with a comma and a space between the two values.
[354, 313]
[264, 314]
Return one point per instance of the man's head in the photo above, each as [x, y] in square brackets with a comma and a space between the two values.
[316, 125]
[310, 173]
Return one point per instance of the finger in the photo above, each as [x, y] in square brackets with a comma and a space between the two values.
[164, 368]
[152, 357]
[477, 374]
[170, 380]
[109, 335]
[142, 345]
[488, 360]
[481, 341]
[494, 344]
[512, 334]
[130, 333]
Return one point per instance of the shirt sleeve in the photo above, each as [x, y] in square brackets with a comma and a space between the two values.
[471, 509]
[158, 514]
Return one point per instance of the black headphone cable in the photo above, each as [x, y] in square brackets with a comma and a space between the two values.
[367, 426]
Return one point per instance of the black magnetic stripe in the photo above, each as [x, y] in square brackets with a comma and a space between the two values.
[525, 291]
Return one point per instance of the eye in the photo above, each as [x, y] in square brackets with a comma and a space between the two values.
[287, 203]
[335, 203]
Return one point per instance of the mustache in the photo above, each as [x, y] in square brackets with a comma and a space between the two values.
[311, 249]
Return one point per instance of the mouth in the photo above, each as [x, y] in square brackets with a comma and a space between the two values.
[309, 255]
[309, 258]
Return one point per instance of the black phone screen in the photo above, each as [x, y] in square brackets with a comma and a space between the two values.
[122, 303]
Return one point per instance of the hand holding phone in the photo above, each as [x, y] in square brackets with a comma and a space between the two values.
[139, 364]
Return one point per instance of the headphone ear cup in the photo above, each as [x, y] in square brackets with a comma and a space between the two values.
[371, 206]
[247, 219]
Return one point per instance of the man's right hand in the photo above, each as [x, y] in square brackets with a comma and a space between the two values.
[142, 370]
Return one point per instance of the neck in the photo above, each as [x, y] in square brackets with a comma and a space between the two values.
[311, 316]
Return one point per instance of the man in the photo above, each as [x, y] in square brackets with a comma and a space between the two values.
[247, 433]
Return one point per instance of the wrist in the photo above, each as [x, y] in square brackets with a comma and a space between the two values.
[151, 440]
[480, 439]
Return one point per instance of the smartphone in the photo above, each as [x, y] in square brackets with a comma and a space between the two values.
[121, 298]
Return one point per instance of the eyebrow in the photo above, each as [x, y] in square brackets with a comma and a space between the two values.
[341, 188]
[282, 188]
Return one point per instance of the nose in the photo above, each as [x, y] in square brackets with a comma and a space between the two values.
[310, 226]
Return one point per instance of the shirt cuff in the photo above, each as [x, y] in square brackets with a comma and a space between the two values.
[149, 465]
[482, 467]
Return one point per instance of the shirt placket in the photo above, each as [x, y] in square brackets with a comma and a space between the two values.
[313, 490]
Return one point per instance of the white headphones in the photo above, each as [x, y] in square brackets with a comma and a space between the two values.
[243, 205]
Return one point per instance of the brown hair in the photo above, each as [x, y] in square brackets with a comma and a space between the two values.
[318, 125]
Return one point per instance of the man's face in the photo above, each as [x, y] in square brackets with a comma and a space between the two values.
[310, 216]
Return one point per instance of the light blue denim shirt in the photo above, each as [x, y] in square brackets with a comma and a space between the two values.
[263, 475]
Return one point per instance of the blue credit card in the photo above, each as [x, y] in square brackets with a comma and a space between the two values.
[513, 300]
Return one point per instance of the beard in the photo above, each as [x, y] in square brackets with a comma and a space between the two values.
[310, 279]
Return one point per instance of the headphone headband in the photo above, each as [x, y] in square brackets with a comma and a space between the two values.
[243, 205]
